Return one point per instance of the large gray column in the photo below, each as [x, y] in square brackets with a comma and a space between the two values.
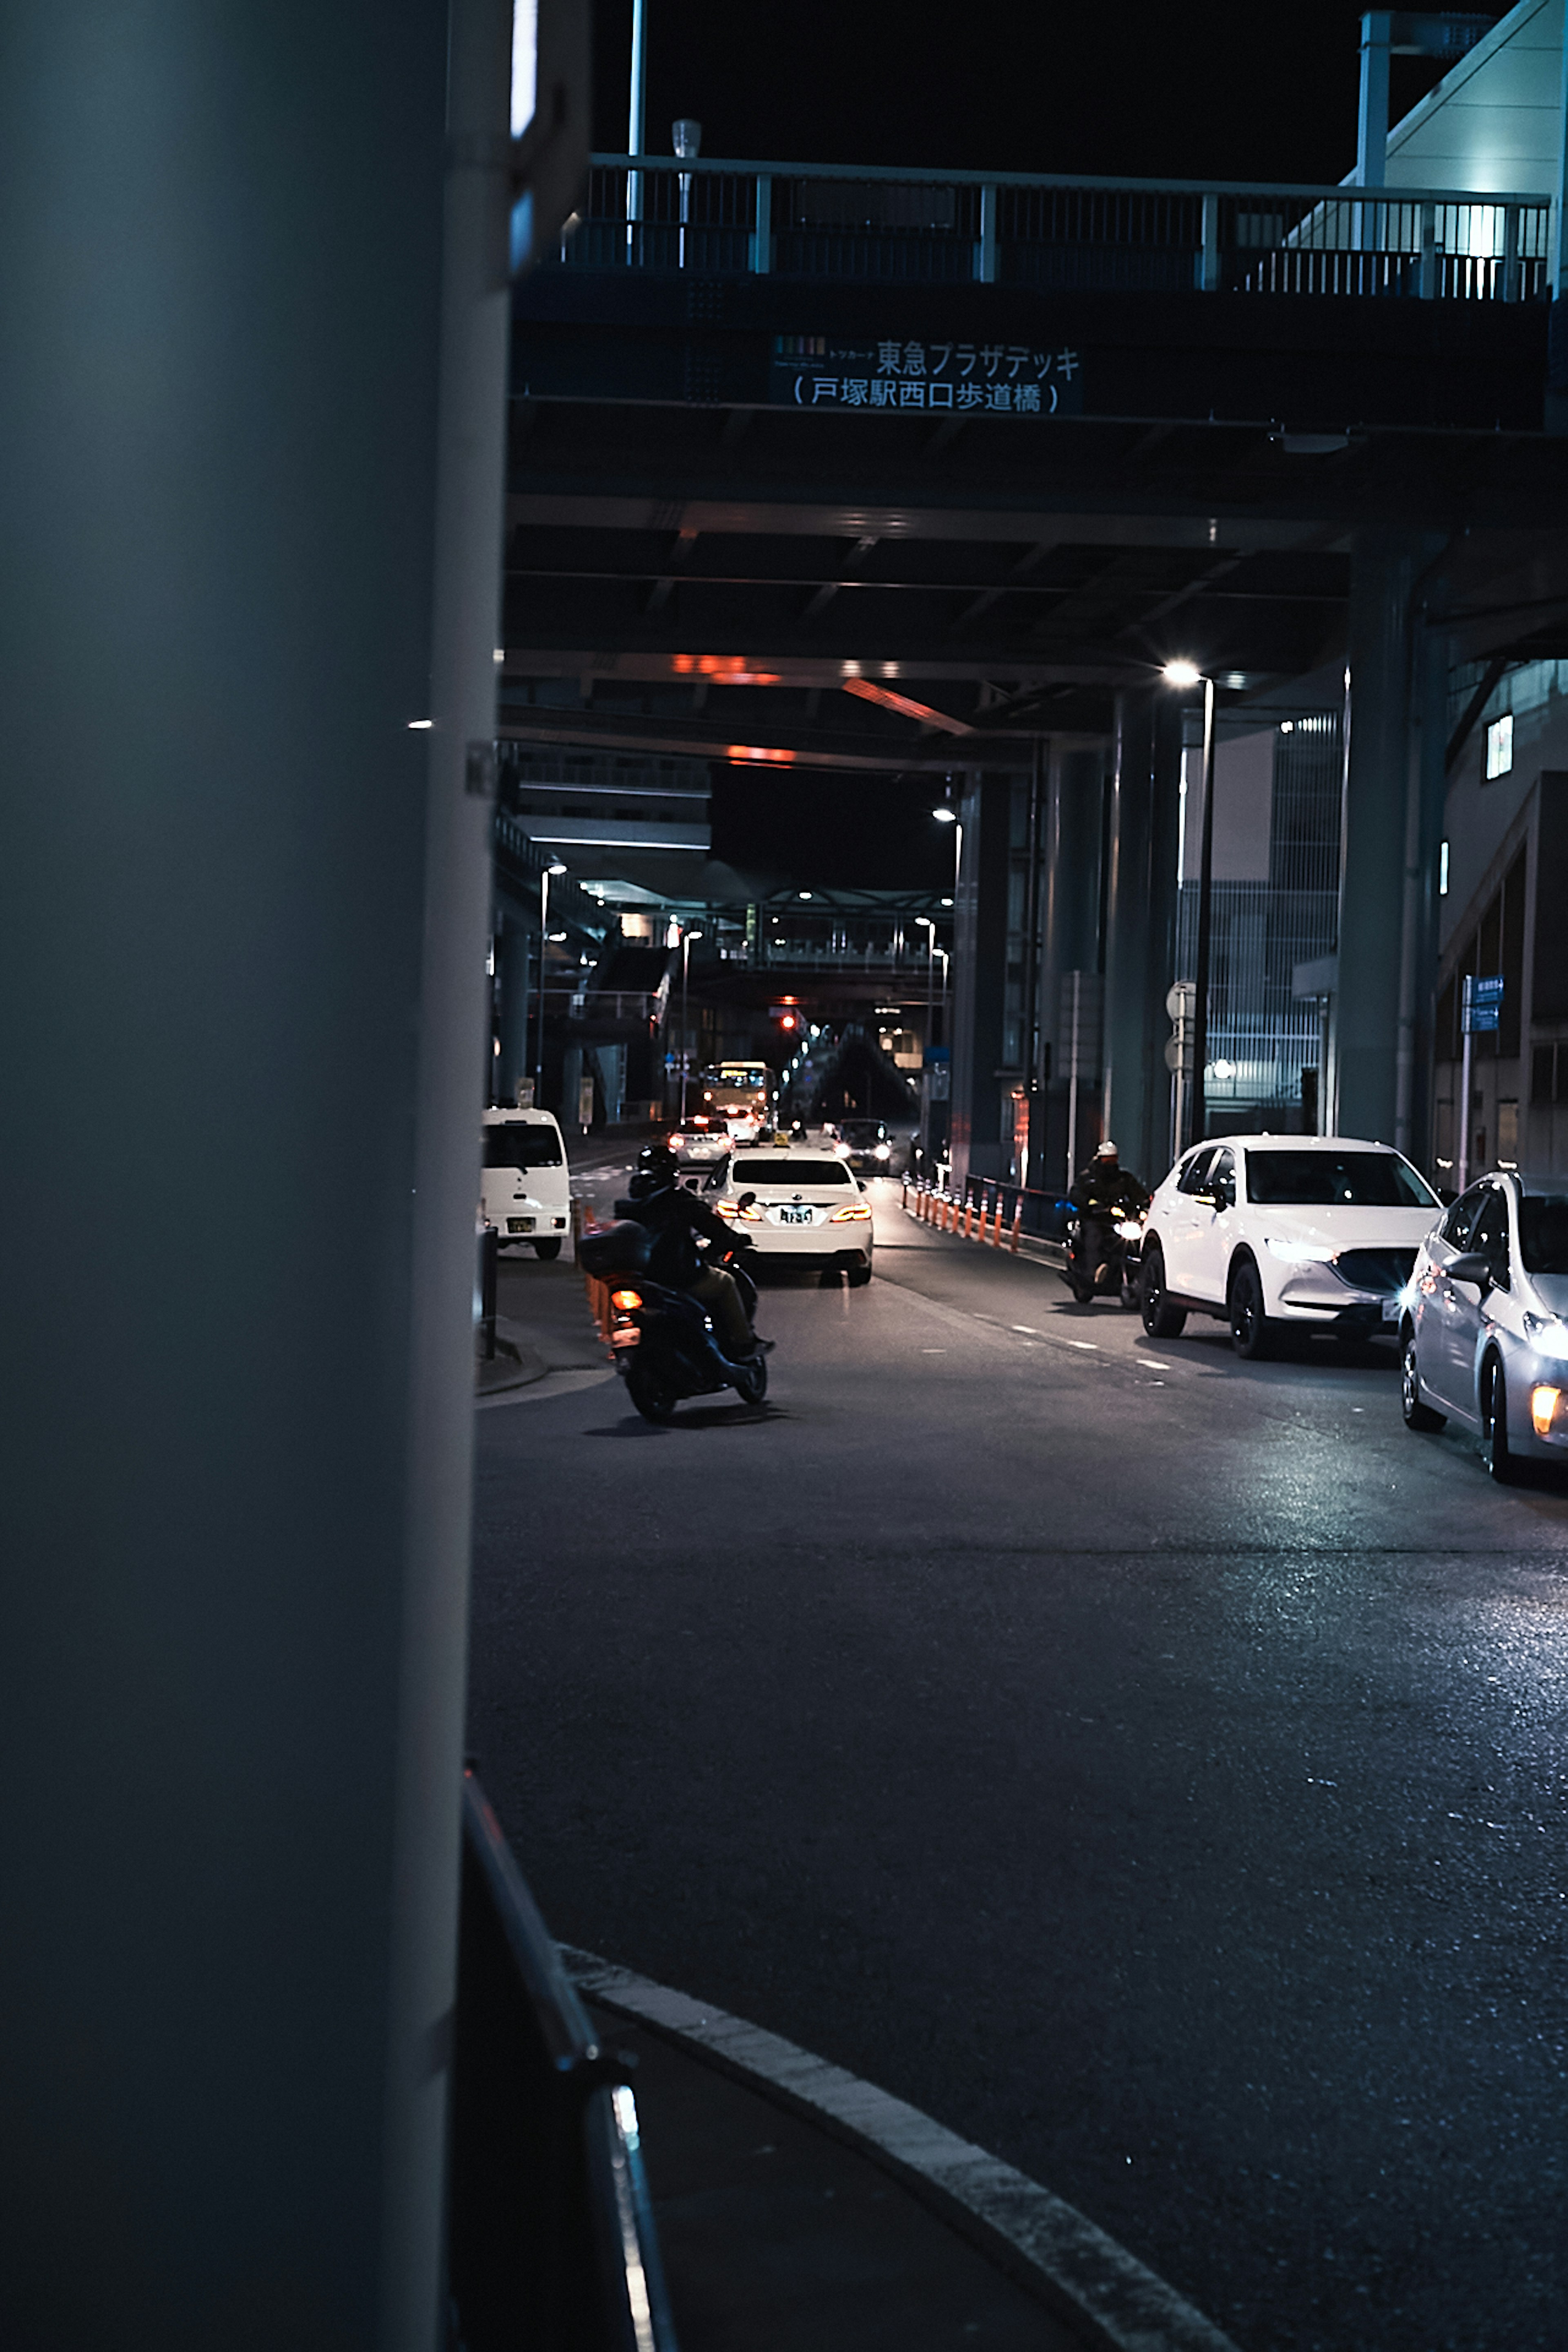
[1374, 834]
[251, 481]
[1140, 896]
[1069, 917]
[980, 968]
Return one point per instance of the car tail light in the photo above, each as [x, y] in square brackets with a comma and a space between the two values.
[860, 1213]
[625, 1302]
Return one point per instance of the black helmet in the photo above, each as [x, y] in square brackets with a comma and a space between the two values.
[658, 1162]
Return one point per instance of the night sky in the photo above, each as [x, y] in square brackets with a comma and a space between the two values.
[1179, 92]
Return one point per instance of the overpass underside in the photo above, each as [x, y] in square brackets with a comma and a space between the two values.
[824, 499]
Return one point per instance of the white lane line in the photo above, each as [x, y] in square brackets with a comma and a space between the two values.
[1028, 1329]
[1092, 1345]
[1045, 2243]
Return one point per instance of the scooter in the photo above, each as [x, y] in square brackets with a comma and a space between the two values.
[662, 1339]
[1116, 1244]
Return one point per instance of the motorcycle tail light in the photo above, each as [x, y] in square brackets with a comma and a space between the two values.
[625, 1301]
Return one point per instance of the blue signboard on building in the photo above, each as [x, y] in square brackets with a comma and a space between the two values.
[1480, 1002]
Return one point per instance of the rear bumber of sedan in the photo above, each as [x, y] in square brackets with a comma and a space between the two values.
[809, 1229]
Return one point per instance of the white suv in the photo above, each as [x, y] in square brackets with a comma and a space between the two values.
[1319, 1231]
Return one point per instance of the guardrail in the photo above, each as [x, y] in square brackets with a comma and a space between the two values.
[552, 2240]
[987, 1209]
[1059, 232]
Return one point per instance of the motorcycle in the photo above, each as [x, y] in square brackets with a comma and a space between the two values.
[662, 1339]
[1105, 1252]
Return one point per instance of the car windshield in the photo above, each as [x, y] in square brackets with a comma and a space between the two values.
[521, 1143]
[1543, 1232]
[791, 1172]
[1336, 1179]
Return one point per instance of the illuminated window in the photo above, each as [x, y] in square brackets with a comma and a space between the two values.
[1499, 746]
[1443, 871]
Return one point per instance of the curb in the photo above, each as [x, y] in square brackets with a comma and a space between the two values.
[1080, 2273]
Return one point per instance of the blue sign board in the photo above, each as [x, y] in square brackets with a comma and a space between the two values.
[1480, 1002]
[959, 378]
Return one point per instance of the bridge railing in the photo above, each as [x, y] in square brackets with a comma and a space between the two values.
[1058, 233]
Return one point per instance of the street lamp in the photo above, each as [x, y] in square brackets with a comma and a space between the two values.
[686, 940]
[1187, 674]
[554, 866]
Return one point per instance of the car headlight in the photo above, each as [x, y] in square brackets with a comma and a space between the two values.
[883, 1151]
[1547, 1334]
[1300, 1253]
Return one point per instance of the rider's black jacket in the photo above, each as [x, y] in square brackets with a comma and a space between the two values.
[675, 1217]
[1097, 1191]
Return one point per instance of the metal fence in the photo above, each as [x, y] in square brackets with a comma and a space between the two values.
[722, 219]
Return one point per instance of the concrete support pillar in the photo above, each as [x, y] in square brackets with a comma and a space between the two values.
[517, 950]
[980, 963]
[1140, 905]
[1374, 834]
[251, 476]
[1069, 919]
[1416, 1108]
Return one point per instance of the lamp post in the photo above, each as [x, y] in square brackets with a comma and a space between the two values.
[686, 940]
[554, 866]
[1187, 674]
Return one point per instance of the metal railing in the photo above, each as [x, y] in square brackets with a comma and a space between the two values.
[552, 2236]
[1060, 234]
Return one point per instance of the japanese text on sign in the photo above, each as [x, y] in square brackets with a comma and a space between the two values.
[1000, 379]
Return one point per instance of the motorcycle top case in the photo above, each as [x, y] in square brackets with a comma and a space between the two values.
[620, 1248]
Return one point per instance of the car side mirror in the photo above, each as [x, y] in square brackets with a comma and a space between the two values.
[1470, 1266]
[745, 1200]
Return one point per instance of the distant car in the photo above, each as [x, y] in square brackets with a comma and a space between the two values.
[1270, 1231]
[874, 1149]
[699, 1142]
[525, 1188]
[802, 1204]
[1484, 1332]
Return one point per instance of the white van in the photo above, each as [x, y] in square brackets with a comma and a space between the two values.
[525, 1189]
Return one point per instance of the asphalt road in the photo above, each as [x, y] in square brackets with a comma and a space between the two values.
[1150, 1764]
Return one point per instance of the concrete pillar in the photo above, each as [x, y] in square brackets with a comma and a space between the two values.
[251, 476]
[1140, 905]
[1383, 572]
[518, 948]
[1069, 916]
[1416, 1108]
[980, 964]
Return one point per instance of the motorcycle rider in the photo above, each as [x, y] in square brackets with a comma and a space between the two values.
[1102, 1192]
[676, 1217]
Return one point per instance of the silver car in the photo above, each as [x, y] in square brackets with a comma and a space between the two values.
[1484, 1328]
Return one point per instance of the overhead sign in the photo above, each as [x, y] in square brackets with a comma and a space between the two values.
[957, 379]
[1480, 1002]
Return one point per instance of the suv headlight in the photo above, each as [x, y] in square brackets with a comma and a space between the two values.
[1300, 1253]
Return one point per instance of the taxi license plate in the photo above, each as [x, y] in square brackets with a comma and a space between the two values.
[520, 1224]
[795, 1216]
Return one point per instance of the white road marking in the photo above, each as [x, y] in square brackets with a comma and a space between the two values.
[1044, 2238]
[1093, 1344]
[1028, 1329]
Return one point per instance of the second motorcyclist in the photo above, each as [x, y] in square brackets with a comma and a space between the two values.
[1102, 1192]
[677, 1218]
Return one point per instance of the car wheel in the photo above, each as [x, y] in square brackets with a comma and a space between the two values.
[1249, 1332]
[752, 1382]
[1500, 1462]
[547, 1249]
[1161, 1319]
[650, 1396]
[1417, 1414]
[859, 1275]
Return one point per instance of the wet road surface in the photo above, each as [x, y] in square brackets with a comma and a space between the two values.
[1152, 1765]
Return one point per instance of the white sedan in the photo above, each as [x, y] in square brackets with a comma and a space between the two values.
[1320, 1231]
[800, 1204]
